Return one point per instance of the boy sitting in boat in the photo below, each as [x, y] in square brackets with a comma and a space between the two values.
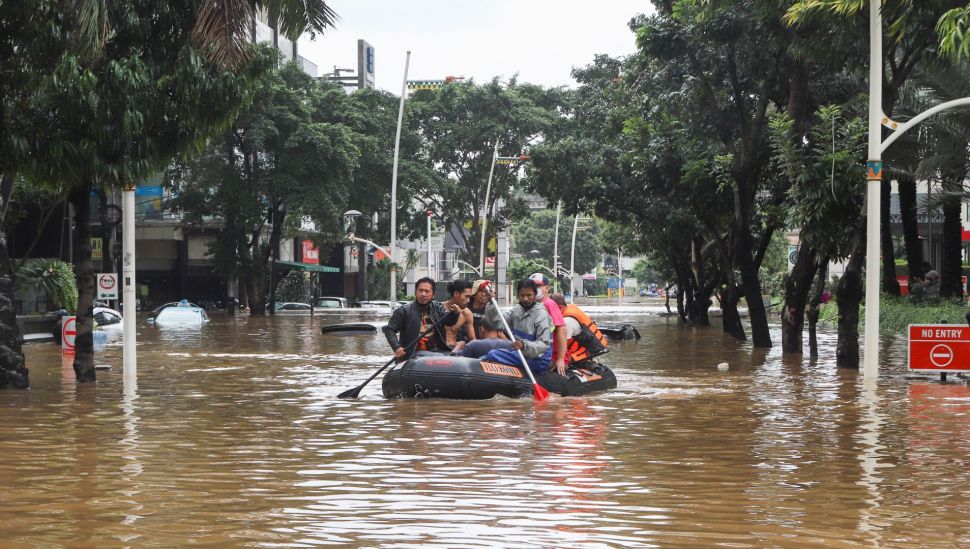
[464, 330]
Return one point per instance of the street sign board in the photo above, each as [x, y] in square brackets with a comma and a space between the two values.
[107, 285]
[438, 244]
[939, 348]
[68, 334]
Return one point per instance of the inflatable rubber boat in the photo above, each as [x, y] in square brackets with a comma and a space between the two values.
[472, 379]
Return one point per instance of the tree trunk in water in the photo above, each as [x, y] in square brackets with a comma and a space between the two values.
[815, 307]
[257, 295]
[890, 285]
[752, 291]
[951, 263]
[907, 210]
[730, 318]
[850, 293]
[797, 286]
[13, 369]
[84, 342]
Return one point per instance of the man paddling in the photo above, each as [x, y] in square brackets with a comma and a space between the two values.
[530, 325]
[413, 319]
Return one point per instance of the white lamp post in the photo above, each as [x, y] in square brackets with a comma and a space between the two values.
[430, 261]
[488, 190]
[129, 353]
[555, 248]
[397, 151]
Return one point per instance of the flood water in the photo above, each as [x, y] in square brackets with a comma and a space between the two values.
[234, 436]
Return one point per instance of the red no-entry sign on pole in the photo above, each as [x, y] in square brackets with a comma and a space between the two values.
[68, 334]
[939, 347]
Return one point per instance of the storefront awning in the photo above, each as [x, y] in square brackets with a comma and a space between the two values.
[306, 267]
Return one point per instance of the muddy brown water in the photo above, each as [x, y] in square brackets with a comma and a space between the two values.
[233, 436]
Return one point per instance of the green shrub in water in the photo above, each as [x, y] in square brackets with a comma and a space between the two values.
[897, 313]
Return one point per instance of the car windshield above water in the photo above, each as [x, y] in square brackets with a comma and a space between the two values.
[181, 315]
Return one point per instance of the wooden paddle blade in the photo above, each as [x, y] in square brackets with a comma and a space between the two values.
[539, 392]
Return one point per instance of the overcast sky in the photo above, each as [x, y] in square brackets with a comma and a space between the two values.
[541, 40]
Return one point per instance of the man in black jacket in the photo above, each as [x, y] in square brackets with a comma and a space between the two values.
[415, 318]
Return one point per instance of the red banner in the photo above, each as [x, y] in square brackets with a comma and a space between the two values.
[311, 254]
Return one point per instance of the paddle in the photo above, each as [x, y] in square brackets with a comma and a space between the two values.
[538, 391]
[355, 392]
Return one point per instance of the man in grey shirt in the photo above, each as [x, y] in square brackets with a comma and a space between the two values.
[529, 325]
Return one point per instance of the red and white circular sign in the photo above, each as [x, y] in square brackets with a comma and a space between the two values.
[106, 282]
[941, 355]
[68, 333]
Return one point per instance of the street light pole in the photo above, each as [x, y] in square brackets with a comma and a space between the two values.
[129, 353]
[430, 263]
[619, 270]
[572, 260]
[397, 151]
[873, 191]
[555, 248]
[488, 190]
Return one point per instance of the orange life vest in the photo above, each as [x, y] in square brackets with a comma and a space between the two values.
[590, 342]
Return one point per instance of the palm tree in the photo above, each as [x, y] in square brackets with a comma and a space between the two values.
[944, 142]
[224, 27]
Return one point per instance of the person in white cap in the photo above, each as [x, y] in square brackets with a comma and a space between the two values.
[559, 336]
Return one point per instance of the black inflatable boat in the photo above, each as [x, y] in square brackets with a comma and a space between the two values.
[472, 379]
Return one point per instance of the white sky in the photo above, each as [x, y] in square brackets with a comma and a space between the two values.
[541, 40]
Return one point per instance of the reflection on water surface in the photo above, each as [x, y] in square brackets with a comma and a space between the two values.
[233, 436]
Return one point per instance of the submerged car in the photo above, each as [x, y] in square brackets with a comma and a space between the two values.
[292, 307]
[181, 315]
[331, 303]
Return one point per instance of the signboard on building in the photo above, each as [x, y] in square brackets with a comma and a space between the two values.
[97, 248]
[939, 348]
[365, 65]
[107, 285]
[311, 254]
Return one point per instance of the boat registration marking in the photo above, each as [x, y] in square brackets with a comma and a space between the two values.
[501, 369]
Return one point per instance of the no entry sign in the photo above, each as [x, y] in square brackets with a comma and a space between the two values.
[107, 286]
[68, 334]
[939, 347]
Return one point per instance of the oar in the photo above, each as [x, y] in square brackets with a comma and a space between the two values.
[355, 392]
[538, 391]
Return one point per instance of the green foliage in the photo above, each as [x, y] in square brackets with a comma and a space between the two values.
[55, 278]
[537, 232]
[897, 313]
[826, 213]
[295, 286]
[285, 160]
[379, 278]
[523, 268]
[460, 124]
[646, 274]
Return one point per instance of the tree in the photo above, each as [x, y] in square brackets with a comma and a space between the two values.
[108, 121]
[645, 273]
[460, 124]
[275, 167]
[106, 93]
[537, 232]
